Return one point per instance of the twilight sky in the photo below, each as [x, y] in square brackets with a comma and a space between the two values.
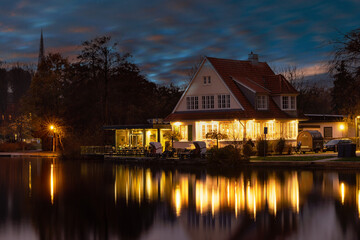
[167, 37]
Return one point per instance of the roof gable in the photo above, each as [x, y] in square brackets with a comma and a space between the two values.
[197, 88]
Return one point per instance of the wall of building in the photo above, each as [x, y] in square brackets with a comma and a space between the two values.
[198, 88]
[235, 131]
[337, 132]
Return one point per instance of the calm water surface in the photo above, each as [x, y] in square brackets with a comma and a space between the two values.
[51, 199]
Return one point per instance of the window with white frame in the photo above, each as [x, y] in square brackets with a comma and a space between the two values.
[207, 128]
[224, 101]
[192, 102]
[262, 102]
[293, 102]
[207, 102]
[290, 130]
[288, 103]
[207, 80]
[253, 130]
[183, 132]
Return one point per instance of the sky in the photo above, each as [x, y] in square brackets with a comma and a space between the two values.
[166, 38]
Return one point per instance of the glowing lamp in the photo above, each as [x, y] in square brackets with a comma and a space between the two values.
[342, 127]
[51, 127]
[177, 123]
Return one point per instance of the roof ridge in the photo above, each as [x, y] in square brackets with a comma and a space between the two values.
[235, 60]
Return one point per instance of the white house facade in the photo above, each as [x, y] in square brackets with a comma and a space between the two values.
[238, 99]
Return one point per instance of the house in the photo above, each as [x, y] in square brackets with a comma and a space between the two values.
[330, 126]
[236, 98]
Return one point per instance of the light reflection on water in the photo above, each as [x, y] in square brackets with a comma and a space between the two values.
[51, 199]
[210, 194]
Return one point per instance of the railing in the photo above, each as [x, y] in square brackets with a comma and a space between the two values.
[96, 150]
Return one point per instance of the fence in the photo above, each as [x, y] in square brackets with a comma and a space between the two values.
[96, 150]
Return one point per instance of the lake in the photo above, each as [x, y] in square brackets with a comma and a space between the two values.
[53, 199]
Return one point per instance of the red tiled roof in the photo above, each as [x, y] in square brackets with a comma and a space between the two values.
[257, 76]
[277, 84]
[250, 84]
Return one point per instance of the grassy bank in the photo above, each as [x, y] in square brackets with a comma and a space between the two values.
[290, 158]
[348, 159]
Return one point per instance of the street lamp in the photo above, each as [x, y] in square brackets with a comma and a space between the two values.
[52, 128]
[342, 127]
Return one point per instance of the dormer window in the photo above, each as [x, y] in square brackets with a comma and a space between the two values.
[288, 103]
[207, 80]
[262, 102]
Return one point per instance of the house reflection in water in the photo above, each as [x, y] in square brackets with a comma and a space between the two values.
[210, 194]
[69, 198]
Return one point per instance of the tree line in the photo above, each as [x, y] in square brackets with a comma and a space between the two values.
[102, 87]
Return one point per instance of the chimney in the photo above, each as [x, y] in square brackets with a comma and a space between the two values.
[253, 58]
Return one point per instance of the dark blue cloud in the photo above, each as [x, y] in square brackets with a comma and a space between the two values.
[167, 37]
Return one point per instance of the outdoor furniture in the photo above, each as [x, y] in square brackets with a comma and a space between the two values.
[155, 149]
[200, 149]
[198, 152]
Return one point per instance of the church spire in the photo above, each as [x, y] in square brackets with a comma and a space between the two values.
[41, 49]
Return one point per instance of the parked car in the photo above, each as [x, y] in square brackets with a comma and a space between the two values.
[332, 145]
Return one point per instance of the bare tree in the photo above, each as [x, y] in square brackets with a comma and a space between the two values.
[294, 75]
[194, 68]
[347, 52]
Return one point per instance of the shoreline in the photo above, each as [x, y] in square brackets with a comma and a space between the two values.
[189, 163]
[331, 163]
[29, 154]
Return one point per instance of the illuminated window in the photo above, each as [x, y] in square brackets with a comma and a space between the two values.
[207, 102]
[224, 101]
[207, 127]
[192, 102]
[288, 102]
[183, 132]
[262, 102]
[233, 130]
[273, 129]
[290, 130]
[253, 129]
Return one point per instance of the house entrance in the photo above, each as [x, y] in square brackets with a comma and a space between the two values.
[136, 139]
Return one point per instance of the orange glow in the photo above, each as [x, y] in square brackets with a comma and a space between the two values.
[177, 201]
[30, 179]
[52, 183]
[342, 192]
[358, 202]
[211, 193]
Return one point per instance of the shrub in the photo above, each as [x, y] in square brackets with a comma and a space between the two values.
[279, 146]
[262, 147]
[227, 155]
[248, 150]
[16, 146]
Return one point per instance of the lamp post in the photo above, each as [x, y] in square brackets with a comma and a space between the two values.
[52, 128]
